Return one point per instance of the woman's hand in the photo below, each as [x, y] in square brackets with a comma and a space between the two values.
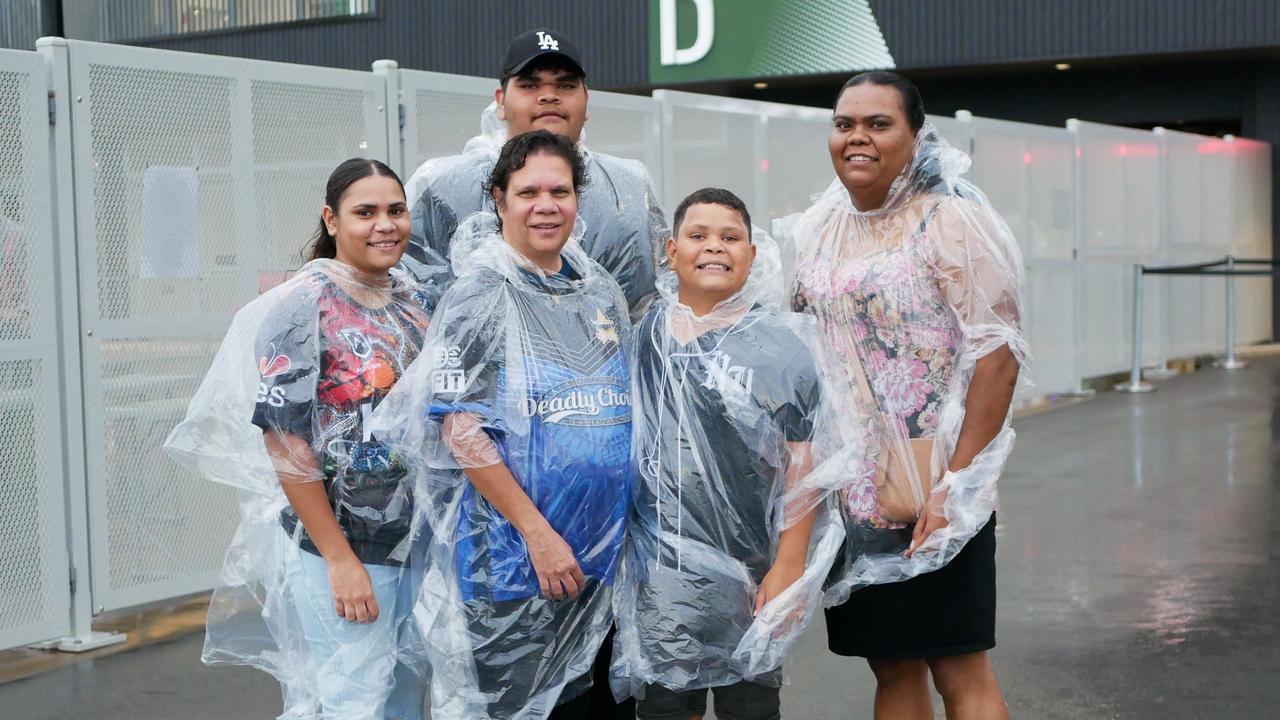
[931, 519]
[559, 575]
[779, 578]
[353, 596]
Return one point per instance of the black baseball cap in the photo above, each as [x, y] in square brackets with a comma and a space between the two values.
[538, 43]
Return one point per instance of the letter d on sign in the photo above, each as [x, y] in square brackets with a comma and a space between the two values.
[672, 55]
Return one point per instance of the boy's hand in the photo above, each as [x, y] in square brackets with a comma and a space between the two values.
[779, 578]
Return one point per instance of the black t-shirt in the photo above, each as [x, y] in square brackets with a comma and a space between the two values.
[326, 362]
[716, 469]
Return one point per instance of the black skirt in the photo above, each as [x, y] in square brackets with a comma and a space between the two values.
[951, 611]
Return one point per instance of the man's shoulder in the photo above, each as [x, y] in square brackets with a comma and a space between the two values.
[615, 166]
[450, 178]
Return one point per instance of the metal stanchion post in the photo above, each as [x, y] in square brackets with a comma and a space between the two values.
[1230, 362]
[1135, 384]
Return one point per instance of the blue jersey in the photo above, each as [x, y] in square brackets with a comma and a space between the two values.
[550, 383]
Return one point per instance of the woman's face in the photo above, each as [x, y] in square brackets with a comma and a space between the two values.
[870, 143]
[370, 224]
[538, 207]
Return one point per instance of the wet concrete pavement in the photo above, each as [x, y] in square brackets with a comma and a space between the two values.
[1139, 577]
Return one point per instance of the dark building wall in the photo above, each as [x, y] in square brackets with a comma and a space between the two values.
[942, 33]
[466, 37]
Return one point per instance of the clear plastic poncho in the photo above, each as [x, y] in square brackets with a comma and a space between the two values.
[728, 409]
[527, 369]
[287, 400]
[619, 221]
[909, 298]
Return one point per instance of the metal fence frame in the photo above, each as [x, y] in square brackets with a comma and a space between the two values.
[150, 582]
[44, 592]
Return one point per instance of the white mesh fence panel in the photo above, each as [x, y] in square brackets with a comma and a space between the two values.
[797, 166]
[1026, 172]
[199, 181]
[709, 147]
[773, 156]
[441, 112]
[1251, 208]
[1119, 224]
[625, 126]
[34, 589]
[1197, 229]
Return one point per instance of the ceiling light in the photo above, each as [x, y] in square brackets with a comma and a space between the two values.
[760, 85]
[1062, 66]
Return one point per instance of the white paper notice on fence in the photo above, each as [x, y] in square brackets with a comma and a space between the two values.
[170, 236]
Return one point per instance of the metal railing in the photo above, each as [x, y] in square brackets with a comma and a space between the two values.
[1226, 267]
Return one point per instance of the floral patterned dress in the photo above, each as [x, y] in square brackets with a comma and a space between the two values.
[885, 313]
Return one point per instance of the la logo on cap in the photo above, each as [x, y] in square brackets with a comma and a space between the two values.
[546, 42]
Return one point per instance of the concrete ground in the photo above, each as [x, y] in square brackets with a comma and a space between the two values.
[1139, 578]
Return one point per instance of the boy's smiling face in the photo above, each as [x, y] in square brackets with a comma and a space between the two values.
[711, 254]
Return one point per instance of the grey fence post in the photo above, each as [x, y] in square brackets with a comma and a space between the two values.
[1135, 384]
[1230, 362]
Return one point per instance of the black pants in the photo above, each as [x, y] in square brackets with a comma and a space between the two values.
[597, 703]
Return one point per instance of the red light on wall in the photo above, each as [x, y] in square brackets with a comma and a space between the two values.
[1137, 150]
[764, 165]
[1026, 157]
[1216, 147]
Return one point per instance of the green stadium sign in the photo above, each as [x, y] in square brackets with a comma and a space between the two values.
[695, 40]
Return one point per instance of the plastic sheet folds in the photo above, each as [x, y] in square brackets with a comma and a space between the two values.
[525, 369]
[909, 298]
[729, 407]
[285, 404]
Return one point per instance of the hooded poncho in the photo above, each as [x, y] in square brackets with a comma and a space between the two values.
[528, 369]
[300, 371]
[728, 413]
[909, 297]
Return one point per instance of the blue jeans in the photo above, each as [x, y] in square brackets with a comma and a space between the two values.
[357, 676]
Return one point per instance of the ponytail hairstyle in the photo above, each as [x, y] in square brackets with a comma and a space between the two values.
[324, 245]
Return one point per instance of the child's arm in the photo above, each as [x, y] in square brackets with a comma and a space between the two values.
[793, 543]
[558, 572]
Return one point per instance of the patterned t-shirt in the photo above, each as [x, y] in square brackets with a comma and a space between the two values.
[326, 361]
[549, 379]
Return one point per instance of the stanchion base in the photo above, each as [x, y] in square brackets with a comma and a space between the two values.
[82, 643]
[1230, 364]
[1138, 387]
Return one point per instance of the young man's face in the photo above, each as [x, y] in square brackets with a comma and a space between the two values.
[711, 252]
[553, 99]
